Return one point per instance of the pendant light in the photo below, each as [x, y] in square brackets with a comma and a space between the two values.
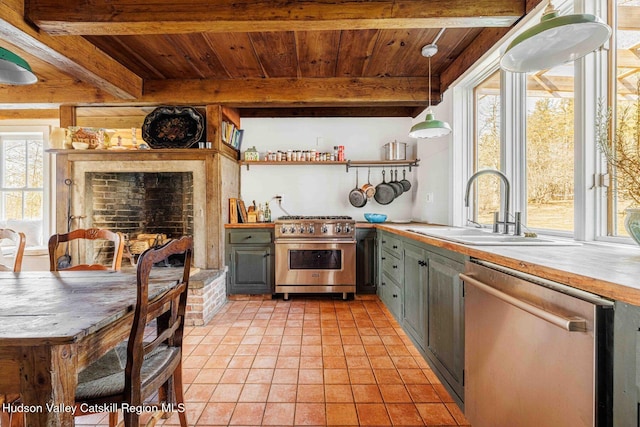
[14, 70]
[554, 41]
[430, 128]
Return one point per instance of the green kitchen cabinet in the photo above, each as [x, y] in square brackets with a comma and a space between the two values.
[431, 309]
[251, 262]
[626, 365]
[415, 293]
[366, 256]
[444, 343]
[391, 273]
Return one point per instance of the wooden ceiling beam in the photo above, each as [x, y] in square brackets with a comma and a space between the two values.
[79, 58]
[283, 92]
[276, 92]
[629, 18]
[121, 17]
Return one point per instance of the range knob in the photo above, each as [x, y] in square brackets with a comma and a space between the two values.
[283, 230]
[311, 229]
[347, 228]
[338, 228]
[292, 229]
[324, 229]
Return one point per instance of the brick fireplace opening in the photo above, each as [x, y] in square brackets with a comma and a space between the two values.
[141, 205]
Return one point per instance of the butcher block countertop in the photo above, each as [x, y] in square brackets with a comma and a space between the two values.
[612, 271]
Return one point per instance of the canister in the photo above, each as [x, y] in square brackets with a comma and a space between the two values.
[395, 151]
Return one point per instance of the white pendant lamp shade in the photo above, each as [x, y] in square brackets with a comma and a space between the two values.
[14, 70]
[430, 127]
[555, 41]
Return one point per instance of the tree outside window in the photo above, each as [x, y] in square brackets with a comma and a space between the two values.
[22, 178]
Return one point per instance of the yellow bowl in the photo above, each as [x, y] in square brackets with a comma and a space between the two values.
[80, 145]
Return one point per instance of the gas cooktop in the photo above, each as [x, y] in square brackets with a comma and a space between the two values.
[312, 218]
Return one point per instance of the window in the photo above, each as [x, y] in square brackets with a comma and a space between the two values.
[487, 147]
[625, 87]
[22, 176]
[549, 149]
[524, 126]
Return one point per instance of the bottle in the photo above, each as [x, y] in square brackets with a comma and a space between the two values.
[267, 212]
[260, 213]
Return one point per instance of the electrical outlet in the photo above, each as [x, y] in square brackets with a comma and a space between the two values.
[429, 198]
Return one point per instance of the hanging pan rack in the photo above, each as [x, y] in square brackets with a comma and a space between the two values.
[381, 163]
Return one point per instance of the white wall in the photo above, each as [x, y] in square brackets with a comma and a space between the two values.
[434, 173]
[318, 189]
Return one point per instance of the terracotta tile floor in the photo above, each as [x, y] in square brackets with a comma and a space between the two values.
[307, 361]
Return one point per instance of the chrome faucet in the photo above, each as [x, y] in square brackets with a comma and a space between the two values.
[505, 203]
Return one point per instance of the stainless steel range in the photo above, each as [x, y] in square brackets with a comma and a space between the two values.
[315, 254]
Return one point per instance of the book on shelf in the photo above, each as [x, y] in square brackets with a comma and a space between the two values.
[233, 210]
[242, 212]
[231, 135]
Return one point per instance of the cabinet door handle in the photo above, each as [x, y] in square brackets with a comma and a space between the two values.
[395, 266]
[395, 295]
[384, 241]
[395, 247]
[383, 284]
[382, 258]
[248, 237]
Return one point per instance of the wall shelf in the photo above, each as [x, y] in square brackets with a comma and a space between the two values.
[293, 163]
[381, 163]
[348, 164]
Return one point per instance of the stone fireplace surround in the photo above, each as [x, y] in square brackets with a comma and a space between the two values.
[215, 180]
[81, 199]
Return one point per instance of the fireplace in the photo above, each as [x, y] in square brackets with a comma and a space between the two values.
[143, 197]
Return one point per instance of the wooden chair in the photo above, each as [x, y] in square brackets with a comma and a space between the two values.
[19, 239]
[86, 234]
[143, 368]
[8, 419]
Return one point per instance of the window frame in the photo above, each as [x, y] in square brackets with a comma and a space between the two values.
[46, 165]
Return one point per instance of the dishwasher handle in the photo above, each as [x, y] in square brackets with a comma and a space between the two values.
[573, 324]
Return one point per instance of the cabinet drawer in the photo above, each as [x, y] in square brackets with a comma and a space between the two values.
[392, 245]
[393, 267]
[391, 295]
[250, 237]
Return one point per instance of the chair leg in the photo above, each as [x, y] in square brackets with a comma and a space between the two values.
[17, 419]
[177, 385]
[113, 419]
[131, 419]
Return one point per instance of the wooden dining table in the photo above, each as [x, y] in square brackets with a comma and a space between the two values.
[53, 324]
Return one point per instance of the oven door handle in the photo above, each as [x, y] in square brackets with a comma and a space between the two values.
[313, 241]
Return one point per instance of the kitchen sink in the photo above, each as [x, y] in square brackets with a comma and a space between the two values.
[479, 237]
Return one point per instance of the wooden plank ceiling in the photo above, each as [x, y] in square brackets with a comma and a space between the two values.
[268, 58]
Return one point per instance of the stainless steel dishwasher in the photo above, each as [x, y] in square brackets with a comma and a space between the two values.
[537, 353]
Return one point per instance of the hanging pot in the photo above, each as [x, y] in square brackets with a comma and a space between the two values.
[397, 187]
[368, 188]
[406, 184]
[384, 192]
[357, 198]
